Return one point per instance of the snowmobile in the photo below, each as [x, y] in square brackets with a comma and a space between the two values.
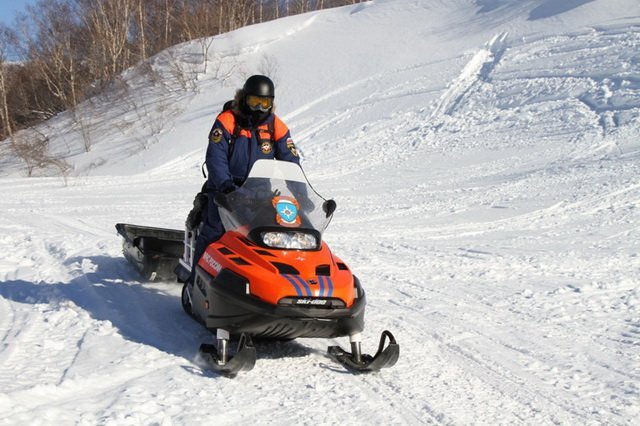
[270, 276]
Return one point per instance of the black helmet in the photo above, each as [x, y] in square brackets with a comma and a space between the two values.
[259, 85]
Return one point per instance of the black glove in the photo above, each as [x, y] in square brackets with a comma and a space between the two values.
[227, 189]
[195, 216]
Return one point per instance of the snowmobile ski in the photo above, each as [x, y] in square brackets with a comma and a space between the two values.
[356, 361]
[217, 359]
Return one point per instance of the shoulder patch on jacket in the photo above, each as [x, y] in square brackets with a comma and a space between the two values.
[216, 135]
[292, 147]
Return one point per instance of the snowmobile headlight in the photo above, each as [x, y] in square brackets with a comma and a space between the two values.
[290, 240]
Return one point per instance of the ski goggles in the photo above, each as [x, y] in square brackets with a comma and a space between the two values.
[259, 103]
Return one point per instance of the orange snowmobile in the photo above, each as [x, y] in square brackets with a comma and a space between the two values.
[271, 275]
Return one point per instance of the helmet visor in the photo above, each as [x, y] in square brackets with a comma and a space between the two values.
[259, 103]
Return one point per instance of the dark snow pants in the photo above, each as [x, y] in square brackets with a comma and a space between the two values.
[210, 232]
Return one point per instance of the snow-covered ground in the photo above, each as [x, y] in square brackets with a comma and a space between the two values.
[485, 157]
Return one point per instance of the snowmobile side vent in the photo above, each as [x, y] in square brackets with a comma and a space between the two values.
[225, 251]
[285, 269]
[247, 241]
[323, 270]
[240, 261]
[264, 253]
[342, 266]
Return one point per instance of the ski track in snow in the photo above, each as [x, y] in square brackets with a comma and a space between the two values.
[478, 69]
[488, 200]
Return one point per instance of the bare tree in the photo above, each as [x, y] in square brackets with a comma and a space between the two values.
[198, 19]
[109, 23]
[52, 49]
[141, 23]
[260, 10]
[300, 6]
[5, 116]
[269, 66]
[205, 44]
[237, 13]
[32, 147]
[82, 117]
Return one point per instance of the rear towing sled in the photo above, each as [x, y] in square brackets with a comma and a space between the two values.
[154, 252]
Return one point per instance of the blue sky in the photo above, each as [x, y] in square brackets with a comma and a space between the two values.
[9, 8]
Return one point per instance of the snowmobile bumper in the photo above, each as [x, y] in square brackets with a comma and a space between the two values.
[155, 252]
[227, 305]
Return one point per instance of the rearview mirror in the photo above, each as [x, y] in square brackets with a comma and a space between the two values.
[329, 207]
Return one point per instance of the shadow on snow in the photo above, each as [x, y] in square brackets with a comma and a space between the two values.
[149, 314]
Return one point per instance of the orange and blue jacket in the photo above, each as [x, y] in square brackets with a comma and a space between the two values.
[232, 150]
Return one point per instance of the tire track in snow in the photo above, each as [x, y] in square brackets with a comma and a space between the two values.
[12, 327]
[386, 392]
[44, 340]
[511, 387]
[492, 363]
[71, 392]
[470, 382]
[479, 374]
[477, 70]
[58, 342]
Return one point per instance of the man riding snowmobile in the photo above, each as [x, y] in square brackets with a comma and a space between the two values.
[252, 258]
[246, 130]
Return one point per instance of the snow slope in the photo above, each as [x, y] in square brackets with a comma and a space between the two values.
[485, 160]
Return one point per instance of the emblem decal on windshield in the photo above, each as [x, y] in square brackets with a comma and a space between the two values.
[287, 211]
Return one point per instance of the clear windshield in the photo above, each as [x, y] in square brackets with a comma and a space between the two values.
[275, 197]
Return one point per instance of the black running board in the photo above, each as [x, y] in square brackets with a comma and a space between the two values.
[384, 357]
[243, 360]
